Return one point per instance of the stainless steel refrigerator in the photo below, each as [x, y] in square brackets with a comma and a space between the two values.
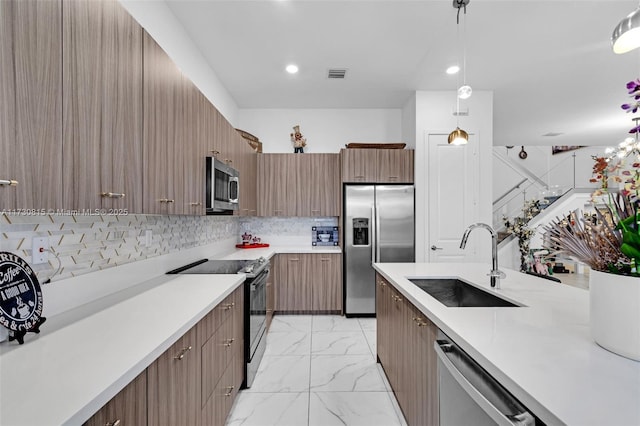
[378, 226]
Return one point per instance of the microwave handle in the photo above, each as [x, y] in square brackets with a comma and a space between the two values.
[237, 183]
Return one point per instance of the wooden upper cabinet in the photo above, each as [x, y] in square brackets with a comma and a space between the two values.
[359, 165]
[128, 407]
[248, 168]
[173, 384]
[163, 97]
[31, 104]
[395, 165]
[194, 146]
[277, 185]
[377, 165]
[102, 106]
[298, 185]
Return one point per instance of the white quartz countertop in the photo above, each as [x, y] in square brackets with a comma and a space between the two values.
[541, 352]
[268, 252]
[70, 370]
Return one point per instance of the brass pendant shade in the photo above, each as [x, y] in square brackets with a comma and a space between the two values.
[626, 35]
[458, 137]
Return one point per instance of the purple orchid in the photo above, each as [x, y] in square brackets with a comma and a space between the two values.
[630, 107]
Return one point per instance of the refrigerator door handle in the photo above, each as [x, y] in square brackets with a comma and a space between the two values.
[377, 225]
[373, 234]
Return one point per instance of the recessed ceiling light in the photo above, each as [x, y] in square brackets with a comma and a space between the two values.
[453, 69]
[292, 69]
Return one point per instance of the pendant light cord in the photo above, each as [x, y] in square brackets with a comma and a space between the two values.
[461, 5]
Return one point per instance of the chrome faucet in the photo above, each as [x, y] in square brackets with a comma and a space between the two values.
[495, 273]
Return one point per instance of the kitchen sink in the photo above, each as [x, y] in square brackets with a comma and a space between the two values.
[453, 292]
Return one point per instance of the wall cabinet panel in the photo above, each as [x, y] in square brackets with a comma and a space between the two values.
[377, 165]
[31, 104]
[102, 106]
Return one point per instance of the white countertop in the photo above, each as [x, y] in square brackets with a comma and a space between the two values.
[542, 353]
[72, 368]
[268, 252]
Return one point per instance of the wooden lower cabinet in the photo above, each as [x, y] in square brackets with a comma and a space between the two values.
[194, 382]
[127, 408]
[173, 392]
[308, 283]
[405, 339]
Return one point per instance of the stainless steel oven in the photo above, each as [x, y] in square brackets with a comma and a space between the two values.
[255, 303]
[222, 186]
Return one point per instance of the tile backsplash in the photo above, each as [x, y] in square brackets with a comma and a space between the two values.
[93, 242]
[89, 243]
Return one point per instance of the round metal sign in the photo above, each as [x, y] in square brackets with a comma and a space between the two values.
[20, 294]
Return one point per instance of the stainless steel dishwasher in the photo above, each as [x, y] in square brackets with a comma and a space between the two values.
[470, 396]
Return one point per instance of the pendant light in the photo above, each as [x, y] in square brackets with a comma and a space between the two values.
[459, 136]
[626, 35]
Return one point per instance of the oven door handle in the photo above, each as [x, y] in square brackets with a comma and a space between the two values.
[444, 350]
[260, 279]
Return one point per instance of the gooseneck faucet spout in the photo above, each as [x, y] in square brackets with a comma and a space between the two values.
[495, 273]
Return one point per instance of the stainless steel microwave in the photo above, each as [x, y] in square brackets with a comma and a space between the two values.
[223, 187]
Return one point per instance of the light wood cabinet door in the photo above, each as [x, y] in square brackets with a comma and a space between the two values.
[277, 185]
[31, 104]
[248, 168]
[194, 144]
[326, 282]
[173, 384]
[163, 131]
[293, 289]
[395, 166]
[318, 191]
[127, 408]
[102, 106]
[359, 165]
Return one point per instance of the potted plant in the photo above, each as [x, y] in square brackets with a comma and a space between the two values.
[609, 243]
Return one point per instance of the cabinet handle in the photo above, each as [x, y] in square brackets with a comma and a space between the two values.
[294, 260]
[113, 423]
[229, 390]
[316, 210]
[195, 204]
[325, 260]
[182, 353]
[166, 200]
[9, 182]
[214, 152]
[359, 177]
[393, 177]
[226, 160]
[382, 283]
[228, 342]
[397, 299]
[228, 306]
[112, 194]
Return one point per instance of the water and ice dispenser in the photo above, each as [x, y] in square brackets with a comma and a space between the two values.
[360, 231]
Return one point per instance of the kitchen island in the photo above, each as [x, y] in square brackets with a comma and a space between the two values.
[541, 351]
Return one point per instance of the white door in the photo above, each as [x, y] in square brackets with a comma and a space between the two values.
[453, 190]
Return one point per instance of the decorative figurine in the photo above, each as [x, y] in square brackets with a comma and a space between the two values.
[299, 142]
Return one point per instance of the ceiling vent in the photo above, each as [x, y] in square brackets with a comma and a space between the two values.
[552, 134]
[337, 73]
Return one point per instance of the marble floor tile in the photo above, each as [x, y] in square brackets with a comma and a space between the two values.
[288, 323]
[370, 336]
[339, 343]
[282, 374]
[288, 343]
[351, 408]
[335, 323]
[367, 324]
[266, 409]
[351, 373]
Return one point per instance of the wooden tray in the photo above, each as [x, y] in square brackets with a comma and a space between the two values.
[376, 145]
[248, 246]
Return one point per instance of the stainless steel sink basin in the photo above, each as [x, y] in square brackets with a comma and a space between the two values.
[453, 292]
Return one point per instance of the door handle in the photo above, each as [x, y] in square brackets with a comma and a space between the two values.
[434, 248]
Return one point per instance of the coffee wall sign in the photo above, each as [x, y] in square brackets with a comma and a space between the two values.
[20, 297]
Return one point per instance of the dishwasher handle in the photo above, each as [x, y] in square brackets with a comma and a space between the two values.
[445, 349]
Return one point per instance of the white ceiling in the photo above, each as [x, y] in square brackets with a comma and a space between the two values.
[549, 63]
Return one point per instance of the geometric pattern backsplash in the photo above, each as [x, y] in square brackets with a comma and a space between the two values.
[88, 243]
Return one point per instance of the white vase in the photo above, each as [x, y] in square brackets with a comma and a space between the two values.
[615, 313]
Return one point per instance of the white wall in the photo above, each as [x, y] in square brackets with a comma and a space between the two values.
[158, 20]
[326, 130]
[434, 114]
[409, 122]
